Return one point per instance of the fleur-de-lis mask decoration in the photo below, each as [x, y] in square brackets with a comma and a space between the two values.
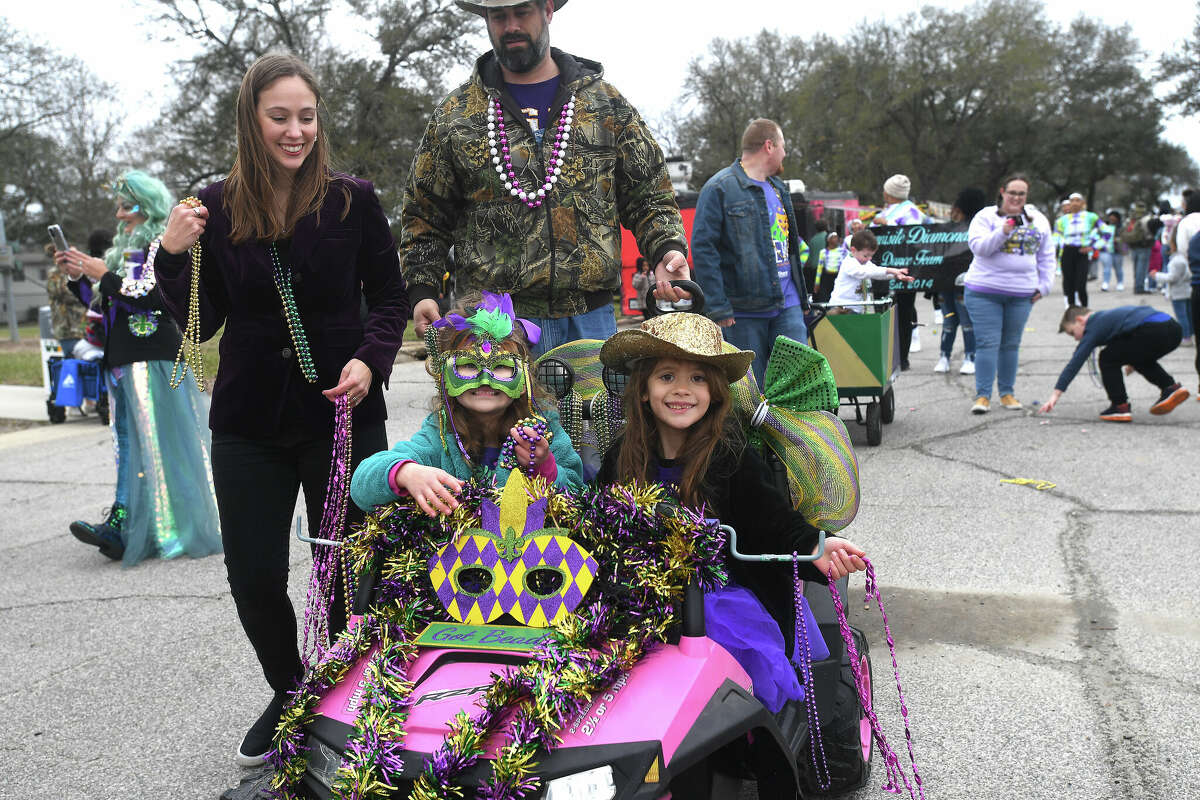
[513, 565]
[485, 362]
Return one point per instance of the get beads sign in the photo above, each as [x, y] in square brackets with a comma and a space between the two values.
[933, 254]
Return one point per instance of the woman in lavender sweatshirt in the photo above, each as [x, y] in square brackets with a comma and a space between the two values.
[1013, 269]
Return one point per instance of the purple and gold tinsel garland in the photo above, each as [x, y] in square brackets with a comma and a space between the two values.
[646, 560]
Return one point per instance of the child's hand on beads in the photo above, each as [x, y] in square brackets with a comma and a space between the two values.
[433, 489]
[526, 454]
[842, 556]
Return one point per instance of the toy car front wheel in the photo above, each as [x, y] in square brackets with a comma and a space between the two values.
[846, 737]
[888, 412]
[102, 408]
[56, 414]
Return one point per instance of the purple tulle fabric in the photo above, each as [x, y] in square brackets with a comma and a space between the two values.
[738, 622]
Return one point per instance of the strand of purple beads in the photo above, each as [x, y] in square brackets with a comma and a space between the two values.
[322, 586]
[895, 772]
[800, 639]
[502, 158]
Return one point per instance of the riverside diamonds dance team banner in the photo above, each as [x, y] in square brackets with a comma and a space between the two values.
[933, 254]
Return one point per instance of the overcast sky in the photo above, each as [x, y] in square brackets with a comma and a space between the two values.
[645, 45]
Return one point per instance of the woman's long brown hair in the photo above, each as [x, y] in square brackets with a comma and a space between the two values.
[250, 187]
[640, 439]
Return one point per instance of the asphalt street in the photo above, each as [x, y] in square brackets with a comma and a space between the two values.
[1047, 639]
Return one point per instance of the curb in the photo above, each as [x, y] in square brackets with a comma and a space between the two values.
[43, 433]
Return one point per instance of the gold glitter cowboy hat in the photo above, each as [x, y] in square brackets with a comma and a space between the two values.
[688, 337]
[480, 7]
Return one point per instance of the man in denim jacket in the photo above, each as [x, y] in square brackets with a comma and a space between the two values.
[746, 249]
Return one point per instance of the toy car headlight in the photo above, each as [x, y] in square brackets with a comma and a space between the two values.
[592, 784]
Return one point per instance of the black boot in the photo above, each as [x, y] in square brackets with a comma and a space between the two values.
[252, 752]
[106, 535]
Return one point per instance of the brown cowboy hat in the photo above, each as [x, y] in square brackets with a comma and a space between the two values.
[480, 7]
[687, 337]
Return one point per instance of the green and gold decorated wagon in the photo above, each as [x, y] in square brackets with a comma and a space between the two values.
[862, 351]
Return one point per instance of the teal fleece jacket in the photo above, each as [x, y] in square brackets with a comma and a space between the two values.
[369, 485]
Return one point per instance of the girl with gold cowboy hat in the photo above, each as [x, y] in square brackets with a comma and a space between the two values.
[679, 432]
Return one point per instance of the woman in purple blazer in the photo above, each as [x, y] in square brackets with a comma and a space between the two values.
[289, 252]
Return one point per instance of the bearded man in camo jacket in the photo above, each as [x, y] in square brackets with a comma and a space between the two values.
[528, 170]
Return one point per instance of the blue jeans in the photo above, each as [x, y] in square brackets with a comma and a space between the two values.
[599, 323]
[1141, 268]
[758, 335]
[1183, 314]
[68, 345]
[954, 316]
[1113, 262]
[999, 322]
[120, 426]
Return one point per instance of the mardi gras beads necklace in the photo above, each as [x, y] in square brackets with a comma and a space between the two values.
[291, 313]
[331, 558]
[502, 159]
[800, 640]
[508, 451]
[189, 355]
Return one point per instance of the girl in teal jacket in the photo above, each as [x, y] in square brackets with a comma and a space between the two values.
[489, 419]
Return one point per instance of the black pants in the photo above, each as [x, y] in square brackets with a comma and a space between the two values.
[1141, 349]
[1196, 308]
[1074, 275]
[906, 318]
[256, 482]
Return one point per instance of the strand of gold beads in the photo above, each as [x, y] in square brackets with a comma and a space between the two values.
[189, 355]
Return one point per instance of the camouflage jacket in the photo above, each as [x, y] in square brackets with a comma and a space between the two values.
[559, 260]
[67, 313]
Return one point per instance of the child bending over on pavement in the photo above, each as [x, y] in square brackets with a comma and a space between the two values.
[857, 268]
[1135, 335]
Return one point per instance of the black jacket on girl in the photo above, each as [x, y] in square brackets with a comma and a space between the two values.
[744, 497]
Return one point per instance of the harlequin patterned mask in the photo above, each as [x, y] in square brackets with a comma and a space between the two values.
[513, 565]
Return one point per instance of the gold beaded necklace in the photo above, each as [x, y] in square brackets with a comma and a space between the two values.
[189, 355]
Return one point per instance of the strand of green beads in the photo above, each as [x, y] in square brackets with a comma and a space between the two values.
[283, 282]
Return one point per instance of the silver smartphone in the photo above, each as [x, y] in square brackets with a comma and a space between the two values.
[56, 236]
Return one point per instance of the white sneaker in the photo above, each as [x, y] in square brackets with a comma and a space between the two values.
[968, 367]
[1120, 287]
[915, 346]
[1104, 286]
[943, 365]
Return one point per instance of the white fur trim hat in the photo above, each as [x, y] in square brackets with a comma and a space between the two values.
[480, 7]
[897, 186]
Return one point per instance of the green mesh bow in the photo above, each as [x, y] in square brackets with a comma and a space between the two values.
[794, 421]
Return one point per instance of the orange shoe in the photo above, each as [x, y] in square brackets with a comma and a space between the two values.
[1117, 412]
[982, 406]
[1171, 397]
[1011, 403]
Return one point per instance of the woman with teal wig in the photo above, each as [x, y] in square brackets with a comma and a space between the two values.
[164, 505]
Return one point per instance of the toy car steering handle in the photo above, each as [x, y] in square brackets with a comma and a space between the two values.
[310, 540]
[732, 534]
[695, 305]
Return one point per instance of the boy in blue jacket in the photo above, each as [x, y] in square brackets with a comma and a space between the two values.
[1135, 335]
